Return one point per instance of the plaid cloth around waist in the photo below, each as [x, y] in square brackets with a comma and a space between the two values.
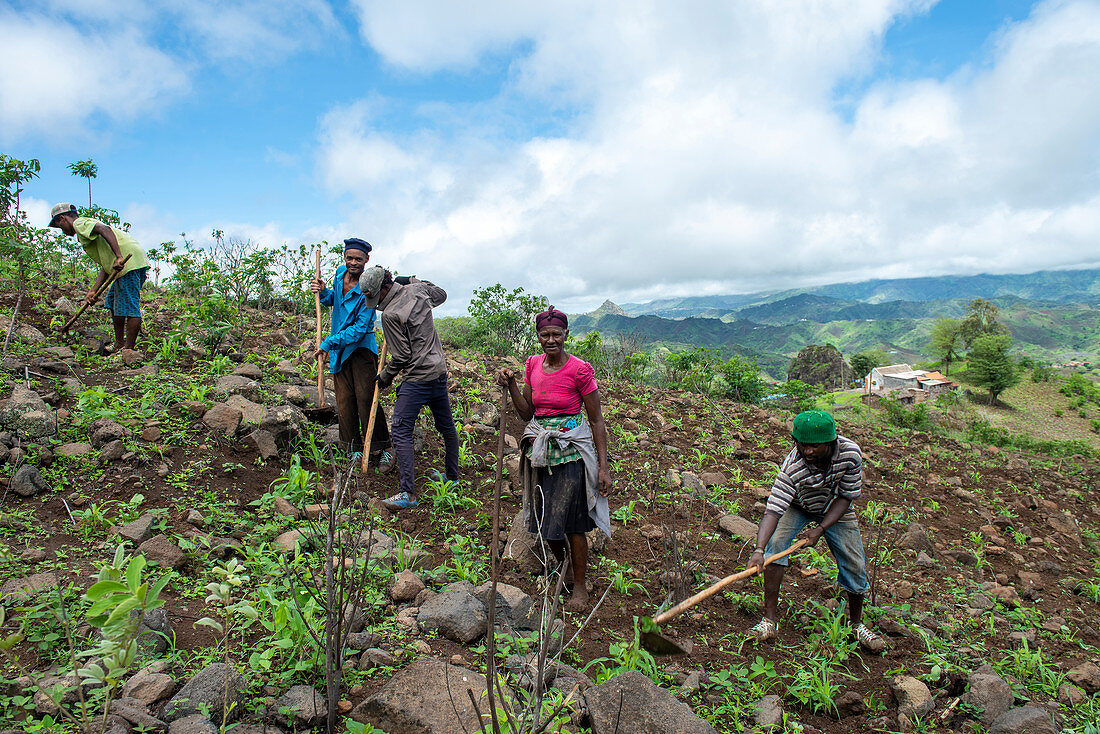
[557, 454]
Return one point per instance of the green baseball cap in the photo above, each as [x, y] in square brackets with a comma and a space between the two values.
[814, 426]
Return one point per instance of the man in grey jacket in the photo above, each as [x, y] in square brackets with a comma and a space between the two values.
[416, 354]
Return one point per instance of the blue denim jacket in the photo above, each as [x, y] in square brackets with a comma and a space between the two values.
[352, 325]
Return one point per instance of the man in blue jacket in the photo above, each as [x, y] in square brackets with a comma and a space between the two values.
[353, 356]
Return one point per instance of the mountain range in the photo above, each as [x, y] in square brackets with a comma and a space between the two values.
[1051, 314]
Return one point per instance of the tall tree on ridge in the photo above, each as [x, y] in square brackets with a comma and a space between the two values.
[981, 320]
[85, 169]
[947, 341]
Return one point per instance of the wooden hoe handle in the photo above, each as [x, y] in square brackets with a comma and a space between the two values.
[317, 336]
[712, 590]
[373, 412]
[106, 284]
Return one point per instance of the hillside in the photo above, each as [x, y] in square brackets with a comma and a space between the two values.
[986, 562]
[825, 309]
[775, 331]
[1058, 286]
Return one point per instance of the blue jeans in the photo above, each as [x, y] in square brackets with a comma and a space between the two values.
[842, 537]
[411, 397]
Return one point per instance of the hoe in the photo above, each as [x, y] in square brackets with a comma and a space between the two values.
[102, 289]
[655, 642]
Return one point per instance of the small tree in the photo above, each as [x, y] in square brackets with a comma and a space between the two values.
[85, 169]
[17, 237]
[947, 341]
[797, 395]
[504, 321]
[742, 380]
[691, 369]
[864, 362]
[991, 366]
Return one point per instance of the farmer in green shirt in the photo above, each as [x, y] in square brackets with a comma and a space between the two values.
[108, 247]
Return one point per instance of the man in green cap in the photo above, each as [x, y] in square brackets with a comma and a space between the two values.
[108, 248]
[817, 484]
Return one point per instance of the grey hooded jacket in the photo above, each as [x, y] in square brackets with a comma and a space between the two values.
[411, 339]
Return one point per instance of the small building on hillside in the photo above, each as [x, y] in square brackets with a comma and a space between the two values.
[876, 380]
[934, 383]
[904, 383]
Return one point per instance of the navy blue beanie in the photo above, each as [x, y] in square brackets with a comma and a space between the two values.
[354, 243]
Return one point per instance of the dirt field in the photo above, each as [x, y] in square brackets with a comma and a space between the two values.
[988, 514]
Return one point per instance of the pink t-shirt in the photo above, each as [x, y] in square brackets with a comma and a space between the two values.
[559, 393]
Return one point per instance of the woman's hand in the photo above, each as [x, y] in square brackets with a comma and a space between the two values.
[603, 481]
[506, 377]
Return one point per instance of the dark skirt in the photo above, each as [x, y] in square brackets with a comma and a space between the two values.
[565, 510]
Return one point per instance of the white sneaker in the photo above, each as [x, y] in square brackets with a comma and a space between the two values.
[868, 640]
[766, 629]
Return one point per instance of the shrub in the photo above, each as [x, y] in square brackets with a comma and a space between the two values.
[1041, 372]
[504, 321]
[457, 331]
[982, 431]
[796, 395]
[741, 381]
[916, 418]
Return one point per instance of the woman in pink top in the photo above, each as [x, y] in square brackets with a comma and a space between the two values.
[570, 456]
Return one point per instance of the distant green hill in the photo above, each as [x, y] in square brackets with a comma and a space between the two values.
[1057, 286]
[823, 309]
[776, 331]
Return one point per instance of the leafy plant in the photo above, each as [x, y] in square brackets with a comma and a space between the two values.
[626, 513]
[624, 657]
[119, 599]
[297, 484]
[467, 562]
[621, 579]
[445, 496]
[813, 684]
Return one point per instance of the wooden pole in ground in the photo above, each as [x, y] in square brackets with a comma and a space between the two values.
[317, 337]
[491, 647]
[373, 412]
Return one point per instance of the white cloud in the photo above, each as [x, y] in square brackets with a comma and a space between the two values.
[60, 75]
[702, 150]
[255, 29]
[37, 210]
[72, 62]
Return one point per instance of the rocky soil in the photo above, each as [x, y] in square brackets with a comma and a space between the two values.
[986, 564]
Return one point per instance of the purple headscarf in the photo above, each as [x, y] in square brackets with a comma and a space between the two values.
[551, 317]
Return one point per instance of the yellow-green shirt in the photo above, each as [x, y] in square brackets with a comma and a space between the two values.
[101, 252]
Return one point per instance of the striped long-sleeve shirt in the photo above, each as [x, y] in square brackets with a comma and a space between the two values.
[802, 484]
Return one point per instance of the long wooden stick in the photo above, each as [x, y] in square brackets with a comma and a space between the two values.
[712, 590]
[373, 412]
[95, 297]
[317, 337]
[491, 645]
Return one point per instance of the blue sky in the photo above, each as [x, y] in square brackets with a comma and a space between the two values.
[584, 151]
